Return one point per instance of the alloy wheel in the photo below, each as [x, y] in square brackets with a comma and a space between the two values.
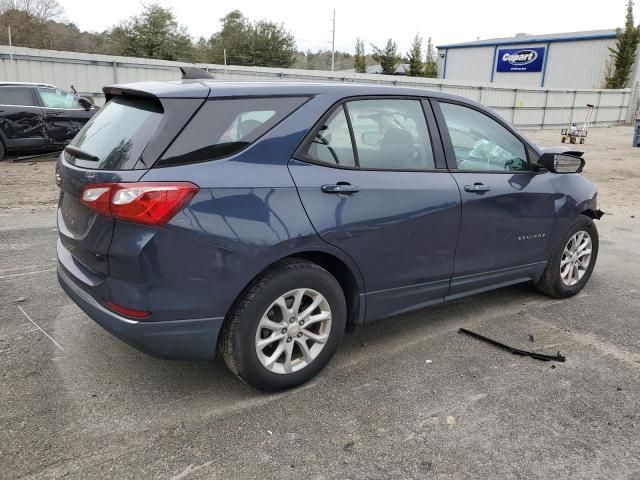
[576, 258]
[293, 331]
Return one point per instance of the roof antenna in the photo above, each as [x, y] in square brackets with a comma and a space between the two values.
[194, 73]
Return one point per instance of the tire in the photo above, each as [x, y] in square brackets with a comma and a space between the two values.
[564, 139]
[582, 141]
[552, 282]
[3, 152]
[245, 326]
[572, 140]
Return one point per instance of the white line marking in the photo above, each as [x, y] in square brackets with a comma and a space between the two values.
[27, 273]
[13, 269]
[39, 328]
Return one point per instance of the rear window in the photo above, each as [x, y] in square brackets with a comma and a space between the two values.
[118, 134]
[224, 127]
[16, 96]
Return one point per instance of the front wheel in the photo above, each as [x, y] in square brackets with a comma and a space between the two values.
[286, 327]
[572, 261]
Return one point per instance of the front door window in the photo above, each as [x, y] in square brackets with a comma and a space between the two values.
[480, 143]
[56, 98]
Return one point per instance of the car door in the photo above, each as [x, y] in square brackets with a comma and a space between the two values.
[64, 116]
[508, 210]
[372, 180]
[21, 120]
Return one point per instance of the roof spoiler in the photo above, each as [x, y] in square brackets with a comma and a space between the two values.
[111, 91]
[195, 73]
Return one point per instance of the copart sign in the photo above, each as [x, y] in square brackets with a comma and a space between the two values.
[520, 59]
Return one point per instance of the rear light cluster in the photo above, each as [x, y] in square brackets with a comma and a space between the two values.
[148, 203]
[128, 312]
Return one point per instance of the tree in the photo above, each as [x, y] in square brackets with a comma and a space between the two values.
[262, 43]
[321, 60]
[29, 21]
[360, 60]
[40, 10]
[415, 58]
[232, 37]
[154, 33]
[387, 57]
[272, 45]
[26, 31]
[430, 64]
[623, 55]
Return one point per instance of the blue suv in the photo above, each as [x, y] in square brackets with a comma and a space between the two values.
[261, 220]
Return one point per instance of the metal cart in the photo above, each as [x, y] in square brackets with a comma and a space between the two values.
[575, 134]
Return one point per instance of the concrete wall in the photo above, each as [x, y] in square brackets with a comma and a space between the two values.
[530, 108]
[524, 107]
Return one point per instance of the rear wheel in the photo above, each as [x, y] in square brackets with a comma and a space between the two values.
[286, 327]
[564, 139]
[573, 260]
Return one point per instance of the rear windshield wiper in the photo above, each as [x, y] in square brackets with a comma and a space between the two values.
[79, 153]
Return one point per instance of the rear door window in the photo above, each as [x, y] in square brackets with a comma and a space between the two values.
[332, 143]
[118, 134]
[391, 134]
[224, 127]
[17, 96]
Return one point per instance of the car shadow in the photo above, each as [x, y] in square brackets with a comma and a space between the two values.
[96, 363]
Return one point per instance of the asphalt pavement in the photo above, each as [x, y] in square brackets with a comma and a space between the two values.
[406, 397]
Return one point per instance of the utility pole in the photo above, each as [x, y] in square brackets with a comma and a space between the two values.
[333, 42]
[13, 69]
[10, 47]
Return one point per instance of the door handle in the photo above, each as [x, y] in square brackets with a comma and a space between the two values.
[477, 188]
[341, 188]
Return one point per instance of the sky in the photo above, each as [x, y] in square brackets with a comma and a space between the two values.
[448, 21]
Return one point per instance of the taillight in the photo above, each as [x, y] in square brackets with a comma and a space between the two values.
[127, 312]
[149, 203]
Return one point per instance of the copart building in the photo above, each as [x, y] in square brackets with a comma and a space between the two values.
[560, 60]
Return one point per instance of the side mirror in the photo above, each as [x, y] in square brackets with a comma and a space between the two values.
[561, 163]
[85, 102]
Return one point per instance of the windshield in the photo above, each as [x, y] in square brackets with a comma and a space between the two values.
[118, 134]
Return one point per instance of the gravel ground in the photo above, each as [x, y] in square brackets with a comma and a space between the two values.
[407, 397]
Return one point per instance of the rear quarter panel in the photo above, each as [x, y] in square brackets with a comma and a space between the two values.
[248, 212]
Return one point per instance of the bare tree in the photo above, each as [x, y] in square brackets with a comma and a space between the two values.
[40, 10]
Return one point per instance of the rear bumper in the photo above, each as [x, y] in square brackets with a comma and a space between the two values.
[176, 339]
